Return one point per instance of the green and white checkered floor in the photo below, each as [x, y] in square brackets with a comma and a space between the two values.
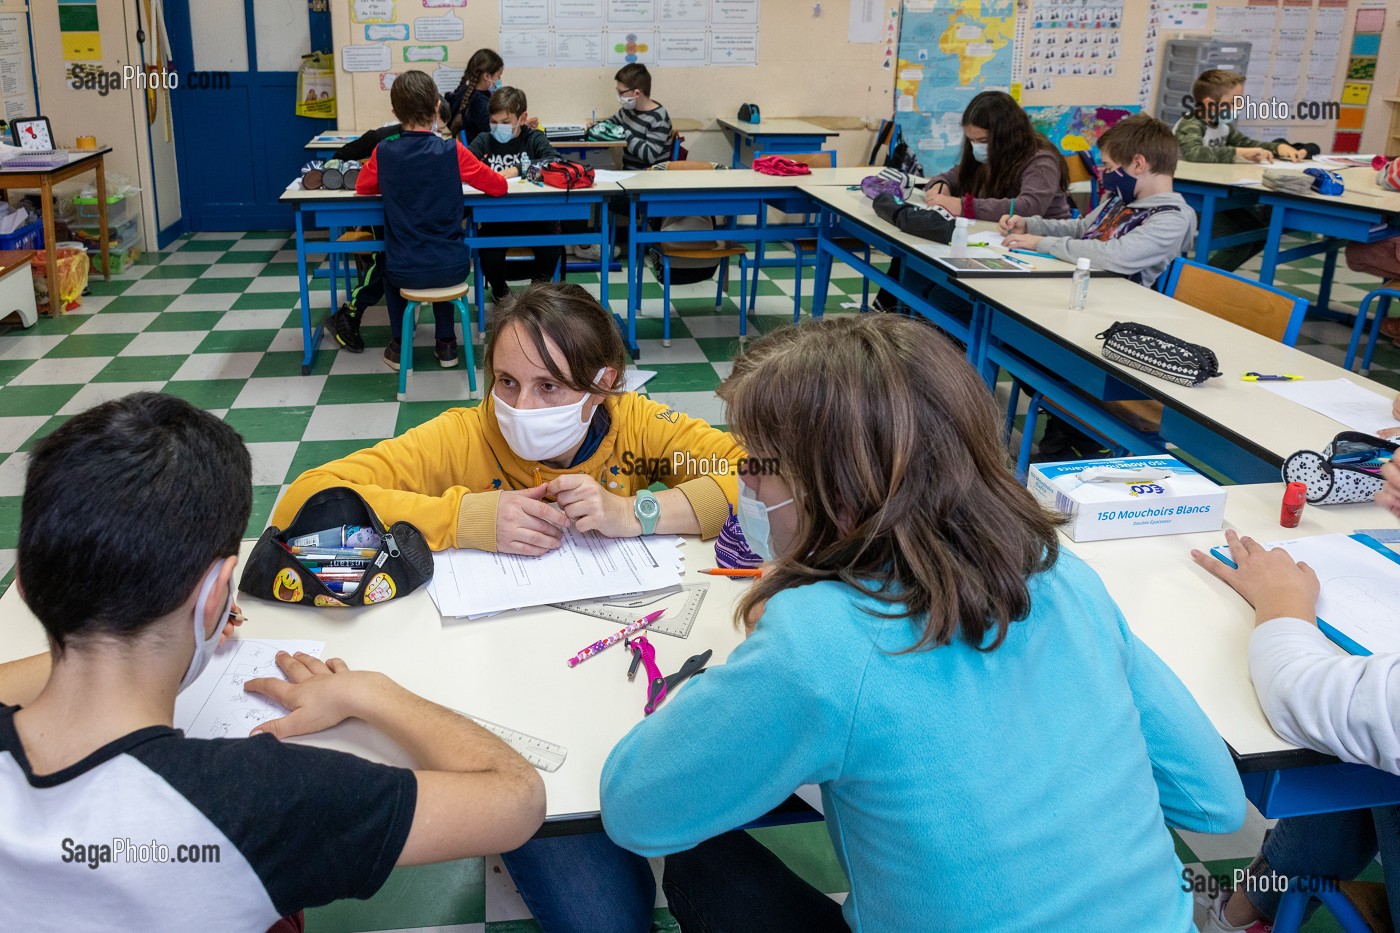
[215, 319]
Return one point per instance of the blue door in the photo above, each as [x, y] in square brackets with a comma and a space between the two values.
[238, 140]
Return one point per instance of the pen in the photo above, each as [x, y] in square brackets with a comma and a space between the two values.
[1013, 207]
[615, 637]
[333, 552]
[1031, 252]
[1270, 377]
[1020, 262]
[344, 588]
[736, 572]
[236, 616]
[1363, 456]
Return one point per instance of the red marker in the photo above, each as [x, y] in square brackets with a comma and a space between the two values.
[1295, 496]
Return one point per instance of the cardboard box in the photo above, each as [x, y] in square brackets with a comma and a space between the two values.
[1186, 502]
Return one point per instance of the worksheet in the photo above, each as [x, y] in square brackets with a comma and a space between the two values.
[469, 582]
[216, 706]
[1339, 399]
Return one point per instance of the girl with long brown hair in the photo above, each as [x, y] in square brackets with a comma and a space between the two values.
[995, 749]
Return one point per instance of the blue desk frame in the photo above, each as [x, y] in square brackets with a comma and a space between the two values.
[762, 144]
[335, 215]
[1209, 200]
[731, 203]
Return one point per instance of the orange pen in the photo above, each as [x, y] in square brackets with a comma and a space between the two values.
[726, 572]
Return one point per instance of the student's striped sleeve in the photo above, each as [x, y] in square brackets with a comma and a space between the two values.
[647, 135]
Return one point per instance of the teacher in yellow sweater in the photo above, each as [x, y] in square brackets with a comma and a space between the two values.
[556, 441]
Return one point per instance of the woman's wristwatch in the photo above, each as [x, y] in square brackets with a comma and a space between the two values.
[647, 508]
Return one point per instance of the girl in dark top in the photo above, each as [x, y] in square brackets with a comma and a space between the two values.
[469, 102]
[1007, 167]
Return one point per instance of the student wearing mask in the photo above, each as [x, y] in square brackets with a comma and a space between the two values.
[469, 105]
[555, 425]
[911, 650]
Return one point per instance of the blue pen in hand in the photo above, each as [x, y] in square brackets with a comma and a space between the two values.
[1031, 252]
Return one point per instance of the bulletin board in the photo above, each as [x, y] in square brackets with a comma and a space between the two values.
[806, 65]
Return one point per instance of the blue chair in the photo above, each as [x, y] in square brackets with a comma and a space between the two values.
[1386, 292]
[429, 296]
[667, 252]
[1359, 906]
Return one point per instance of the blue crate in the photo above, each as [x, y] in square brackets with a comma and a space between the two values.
[30, 236]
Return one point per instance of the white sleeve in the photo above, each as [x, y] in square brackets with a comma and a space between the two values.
[1332, 702]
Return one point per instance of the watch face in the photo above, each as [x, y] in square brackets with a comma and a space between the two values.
[648, 506]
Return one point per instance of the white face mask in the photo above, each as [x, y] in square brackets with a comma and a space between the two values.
[979, 151]
[543, 433]
[628, 103]
[753, 520]
[204, 647]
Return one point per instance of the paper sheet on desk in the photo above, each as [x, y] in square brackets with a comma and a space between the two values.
[510, 183]
[985, 238]
[636, 378]
[1339, 399]
[944, 251]
[586, 565]
[216, 706]
[601, 175]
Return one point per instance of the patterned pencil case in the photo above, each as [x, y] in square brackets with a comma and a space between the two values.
[372, 564]
[1347, 470]
[1159, 354]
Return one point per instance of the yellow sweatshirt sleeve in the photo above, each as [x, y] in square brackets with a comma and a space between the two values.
[704, 461]
[423, 477]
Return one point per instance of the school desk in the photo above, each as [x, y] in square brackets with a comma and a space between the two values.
[44, 179]
[509, 669]
[847, 214]
[726, 195]
[779, 136]
[1239, 428]
[323, 145]
[334, 211]
[1363, 213]
[1201, 629]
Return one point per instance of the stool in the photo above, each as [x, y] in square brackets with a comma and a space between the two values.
[1387, 291]
[421, 296]
[1358, 906]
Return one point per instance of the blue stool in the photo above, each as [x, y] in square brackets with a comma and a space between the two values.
[429, 296]
[1358, 906]
[1386, 292]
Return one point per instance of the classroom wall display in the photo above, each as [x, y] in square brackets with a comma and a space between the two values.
[81, 38]
[949, 51]
[1069, 39]
[1076, 128]
[373, 11]
[1361, 73]
[708, 32]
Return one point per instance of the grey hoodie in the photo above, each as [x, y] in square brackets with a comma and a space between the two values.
[1139, 240]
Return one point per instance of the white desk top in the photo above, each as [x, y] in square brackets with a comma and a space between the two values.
[776, 127]
[1361, 189]
[515, 189]
[1197, 624]
[740, 178]
[855, 205]
[1236, 407]
[509, 669]
[322, 141]
[74, 155]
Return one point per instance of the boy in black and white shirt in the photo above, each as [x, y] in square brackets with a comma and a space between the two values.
[510, 147]
[646, 123]
[112, 819]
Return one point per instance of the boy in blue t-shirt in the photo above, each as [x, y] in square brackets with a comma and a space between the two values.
[420, 174]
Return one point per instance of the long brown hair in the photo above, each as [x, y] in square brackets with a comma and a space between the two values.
[891, 446]
[482, 62]
[582, 329]
[1012, 143]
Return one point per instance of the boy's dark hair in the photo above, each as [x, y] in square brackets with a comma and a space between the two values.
[636, 77]
[1145, 134]
[125, 507]
[509, 100]
[1215, 84]
[414, 97]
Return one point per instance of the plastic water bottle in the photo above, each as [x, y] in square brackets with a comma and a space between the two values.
[524, 164]
[959, 242]
[1079, 288]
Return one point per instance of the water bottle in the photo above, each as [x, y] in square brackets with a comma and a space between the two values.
[1079, 288]
[524, 164]
[959, 243]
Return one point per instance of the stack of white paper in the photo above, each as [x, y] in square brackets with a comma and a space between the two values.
[1354, 406]
[585, 566]
[216, 706]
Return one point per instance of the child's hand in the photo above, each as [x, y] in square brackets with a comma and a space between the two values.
[1389, 496]
[318, 694]
[1009, 224]
[1254, 154]
[946, 201]
[1022, 241]
[1286, 151]
[1268, 580]
[533, 123]
[511, 172]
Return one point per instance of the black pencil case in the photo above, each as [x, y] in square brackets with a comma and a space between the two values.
[402, 563]
[1159, 354]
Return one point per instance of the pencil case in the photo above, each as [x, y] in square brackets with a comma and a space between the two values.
[931, 223]
[1347, 469]
[400, 564]
[1158, 353]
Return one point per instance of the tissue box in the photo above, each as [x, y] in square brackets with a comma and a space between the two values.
[1185, 503]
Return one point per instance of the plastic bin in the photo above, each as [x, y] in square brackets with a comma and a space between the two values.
[120, 236]
[120, 258]
[120, 209]
[30, 236]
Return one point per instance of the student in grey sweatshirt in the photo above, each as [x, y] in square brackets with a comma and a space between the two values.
[1320, 698]
[1143, 224]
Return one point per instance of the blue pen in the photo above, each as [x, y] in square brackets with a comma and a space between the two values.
[1031, 252]
[336, 586]
[1364, 456]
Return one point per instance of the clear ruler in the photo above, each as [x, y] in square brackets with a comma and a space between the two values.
[543, 755]
[678, 620]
